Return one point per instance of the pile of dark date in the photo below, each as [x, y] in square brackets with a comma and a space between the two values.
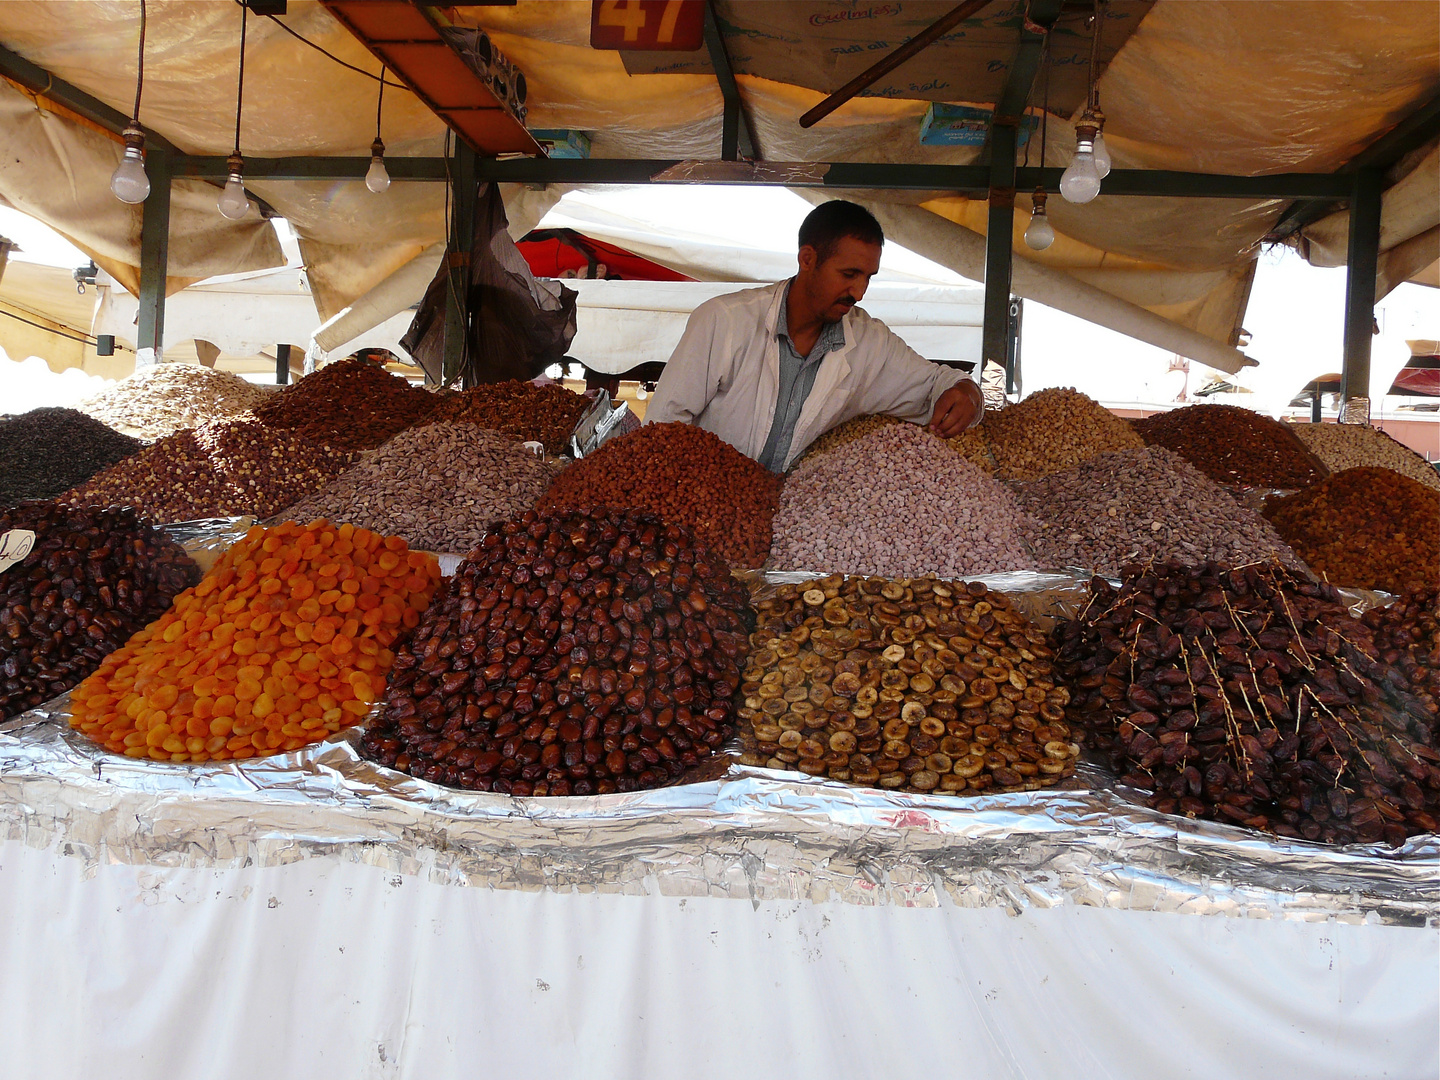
[92, 578]
[571, 654]
[1251, 696]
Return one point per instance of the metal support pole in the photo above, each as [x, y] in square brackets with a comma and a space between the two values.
[282, 364]
[1361, 266]
[998, 238]
[735, 139]
[154, 260]
[1013, 380]
[1315, 414]
[464, 195]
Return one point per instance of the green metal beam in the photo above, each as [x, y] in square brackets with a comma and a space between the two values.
[154, 258]
[312, 168]
[1361, 265]
[1015, 95]
[1414, 131]
[39, 81]
[735, 140]
[995, 344]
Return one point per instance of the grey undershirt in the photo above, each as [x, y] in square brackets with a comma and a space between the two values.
[797, 377]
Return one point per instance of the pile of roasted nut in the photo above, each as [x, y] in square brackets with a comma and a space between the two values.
[573, 654]
[1232, 445]
[686, 476]
[237, 466]
[916, 684]
[91, 580]
[1251, 696]
[544, 414]
[352, 404]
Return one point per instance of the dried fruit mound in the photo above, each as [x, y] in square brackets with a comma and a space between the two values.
[239, 466]
[847, 432]
[353, 404]
[1232, 445]
[569, 655]
[46, 451]
[1052, 430]
[686, 476]
[1407, 635]
[92, 579]
[286, 641]
[544, 414]
[1347, 446]
[897, 502]
[1366, 527]
[440, 486]
[917, 684]
[1251, 696]
[1132, 505]
[161, 399]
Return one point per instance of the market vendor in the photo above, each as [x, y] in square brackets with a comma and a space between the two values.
[770, 370]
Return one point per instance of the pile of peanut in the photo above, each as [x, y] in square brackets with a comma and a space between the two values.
[1050, 431]
[1348, 446]
[1369, 528]
[897, 502]
[685, 476]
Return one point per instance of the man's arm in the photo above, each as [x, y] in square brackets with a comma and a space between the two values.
[691, 374]
[909, 387]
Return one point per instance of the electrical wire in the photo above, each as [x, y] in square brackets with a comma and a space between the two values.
[379, 101]
[139, 68]
[48, 329]
[1094, 98]
[321, 49]
[240, 91]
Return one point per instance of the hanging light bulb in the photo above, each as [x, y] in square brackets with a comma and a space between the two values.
[129, 182]
[1039, 234]
[1101, 151]
[233, 203]
[1080, 182]
[376, 178]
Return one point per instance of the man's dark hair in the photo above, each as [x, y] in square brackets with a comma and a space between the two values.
[827, 223]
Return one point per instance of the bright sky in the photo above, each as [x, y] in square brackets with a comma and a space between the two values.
[38, 243]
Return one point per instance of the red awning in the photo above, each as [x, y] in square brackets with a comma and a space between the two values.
[551, 252]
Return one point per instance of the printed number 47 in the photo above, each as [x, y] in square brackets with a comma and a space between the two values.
[631, 16]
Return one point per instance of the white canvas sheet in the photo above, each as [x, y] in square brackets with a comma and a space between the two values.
[334, 968]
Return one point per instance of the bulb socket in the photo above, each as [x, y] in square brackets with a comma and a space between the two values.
[1086, 128]
[236, 165]
[377, 148]
[134, 138]
[1037, 202]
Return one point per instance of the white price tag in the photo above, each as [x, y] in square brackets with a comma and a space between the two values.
[14, 546]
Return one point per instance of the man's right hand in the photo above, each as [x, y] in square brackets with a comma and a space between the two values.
[958, 409]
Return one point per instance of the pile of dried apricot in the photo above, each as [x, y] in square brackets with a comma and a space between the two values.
[286, 641]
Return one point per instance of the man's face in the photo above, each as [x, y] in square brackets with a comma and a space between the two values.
[833, 287]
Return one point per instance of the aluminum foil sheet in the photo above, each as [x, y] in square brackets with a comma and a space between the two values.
[750, 834]
[206, 539]
[745, 833]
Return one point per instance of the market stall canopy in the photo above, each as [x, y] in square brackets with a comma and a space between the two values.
[1242, 88]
